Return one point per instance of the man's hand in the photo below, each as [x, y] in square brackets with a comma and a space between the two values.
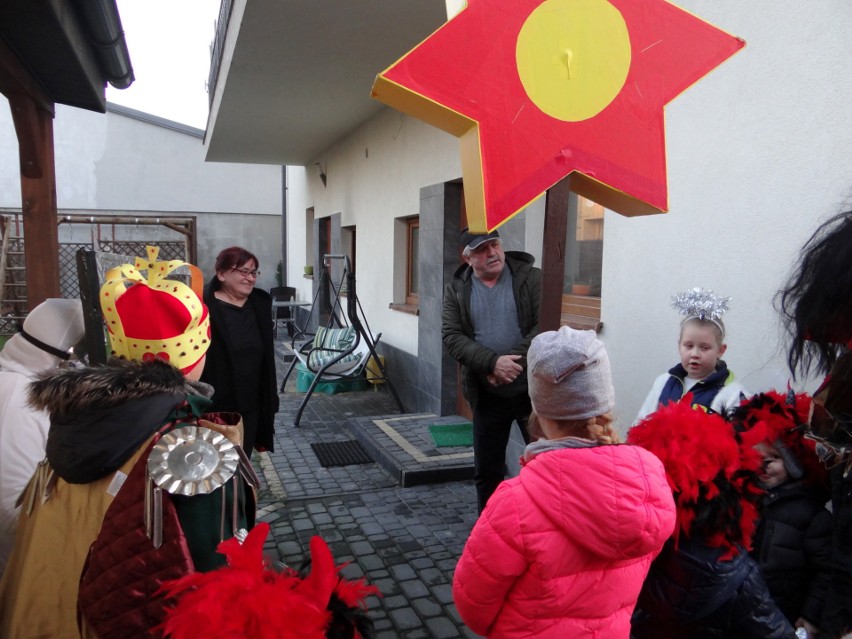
[506, 370]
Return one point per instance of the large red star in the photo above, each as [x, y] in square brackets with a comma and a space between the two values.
[481, 77]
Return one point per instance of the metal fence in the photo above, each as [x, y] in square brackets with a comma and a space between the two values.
[69, 282]
[125, 236]
[217, 48]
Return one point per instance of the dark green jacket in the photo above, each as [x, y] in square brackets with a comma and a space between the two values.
[457, 326]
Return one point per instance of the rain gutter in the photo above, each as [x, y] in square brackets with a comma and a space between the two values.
[105, 34]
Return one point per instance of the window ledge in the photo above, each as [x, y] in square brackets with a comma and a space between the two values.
[411, 309]
[582, 323]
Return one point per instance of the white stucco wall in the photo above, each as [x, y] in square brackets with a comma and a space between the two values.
[758, 153]
[111, 161]
[116, 164]
[373, 177]
[297, 233]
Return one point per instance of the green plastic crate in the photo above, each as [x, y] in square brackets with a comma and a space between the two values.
[304, 377]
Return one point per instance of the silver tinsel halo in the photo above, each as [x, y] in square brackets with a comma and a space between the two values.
[701, 303]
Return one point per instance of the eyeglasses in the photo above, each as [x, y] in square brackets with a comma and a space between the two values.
[246, 272]
[832, 431]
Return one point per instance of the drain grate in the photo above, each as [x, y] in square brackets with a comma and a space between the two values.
[345, 453]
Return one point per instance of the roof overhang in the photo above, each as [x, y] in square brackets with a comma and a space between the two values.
[296, 76]
[70, 48]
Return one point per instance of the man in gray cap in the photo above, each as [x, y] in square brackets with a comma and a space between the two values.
[489, 318]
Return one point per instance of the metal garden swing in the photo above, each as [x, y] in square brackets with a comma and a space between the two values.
[344, 345]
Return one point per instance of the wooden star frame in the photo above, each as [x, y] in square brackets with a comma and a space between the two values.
[538, 90]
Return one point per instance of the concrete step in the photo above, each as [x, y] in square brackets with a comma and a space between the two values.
[403, 446]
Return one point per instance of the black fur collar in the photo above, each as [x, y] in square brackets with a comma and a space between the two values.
[70, 391]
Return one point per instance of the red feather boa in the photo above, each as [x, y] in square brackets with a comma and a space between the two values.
[784, 417]
[709, 469]
[248, 599]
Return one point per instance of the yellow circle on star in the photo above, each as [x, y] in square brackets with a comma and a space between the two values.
[573, 57]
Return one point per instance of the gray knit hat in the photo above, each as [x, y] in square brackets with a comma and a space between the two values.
[568, 375]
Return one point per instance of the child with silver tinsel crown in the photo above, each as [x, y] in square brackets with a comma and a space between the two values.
[702, 374]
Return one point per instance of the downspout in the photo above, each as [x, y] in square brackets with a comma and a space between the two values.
[284, 227]
[103, 27]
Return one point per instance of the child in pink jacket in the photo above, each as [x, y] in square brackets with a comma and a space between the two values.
[562, 549]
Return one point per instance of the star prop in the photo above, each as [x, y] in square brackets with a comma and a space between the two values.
[540, 89]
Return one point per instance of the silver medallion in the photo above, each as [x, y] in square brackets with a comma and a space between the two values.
[192, 461]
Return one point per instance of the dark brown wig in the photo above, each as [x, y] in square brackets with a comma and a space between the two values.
[816, 302]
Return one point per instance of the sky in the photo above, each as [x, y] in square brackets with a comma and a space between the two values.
[169, 43]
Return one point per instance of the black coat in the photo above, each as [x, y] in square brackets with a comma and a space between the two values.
[837, 614]
[219, 372]
[457, 326]
[792, 546]
[690, 594]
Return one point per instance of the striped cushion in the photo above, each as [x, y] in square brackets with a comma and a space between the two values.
[328, 343]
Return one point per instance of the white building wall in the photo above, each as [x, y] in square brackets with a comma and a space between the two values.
[373, 177]
[115, 163]
[112, 161]
[297, 235]
[758, 152]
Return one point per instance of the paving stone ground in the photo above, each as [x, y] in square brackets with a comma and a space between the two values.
[405, 540]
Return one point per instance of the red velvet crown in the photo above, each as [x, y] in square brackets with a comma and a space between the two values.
[155, 318]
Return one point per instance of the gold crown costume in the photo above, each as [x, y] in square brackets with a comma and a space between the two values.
[155, 317]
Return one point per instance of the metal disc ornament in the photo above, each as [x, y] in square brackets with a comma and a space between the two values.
[192, 460]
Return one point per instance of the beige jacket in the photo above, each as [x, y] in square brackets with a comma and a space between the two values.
[38, 593]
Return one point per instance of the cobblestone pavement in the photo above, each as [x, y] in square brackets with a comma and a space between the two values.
[404, 540]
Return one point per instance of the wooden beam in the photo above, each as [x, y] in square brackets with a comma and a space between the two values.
[38, 193]
[181, 225]
[32, 114]
[553, 254]
[15, 79]
[28, 128]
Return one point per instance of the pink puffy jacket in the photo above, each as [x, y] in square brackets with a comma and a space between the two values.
[562, 550]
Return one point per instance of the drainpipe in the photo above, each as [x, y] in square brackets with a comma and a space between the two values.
[103, 27]
[284, 227]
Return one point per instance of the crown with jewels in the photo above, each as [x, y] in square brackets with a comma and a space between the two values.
[155, 317]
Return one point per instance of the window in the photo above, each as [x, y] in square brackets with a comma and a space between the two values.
[412, 276]
[585, 274]
[309, 242]
[406, 279]
[347, 243]
[581, 303]
[324, 239]
[347, 246]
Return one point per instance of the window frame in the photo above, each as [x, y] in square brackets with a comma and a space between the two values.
[412, 299]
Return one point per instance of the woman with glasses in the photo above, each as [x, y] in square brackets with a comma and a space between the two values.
[241, 360]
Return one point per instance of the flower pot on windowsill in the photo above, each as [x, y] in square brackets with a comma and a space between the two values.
[581, 289]
[309, 271]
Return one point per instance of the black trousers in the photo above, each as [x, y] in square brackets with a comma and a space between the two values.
[492, 424]
[251, 418]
